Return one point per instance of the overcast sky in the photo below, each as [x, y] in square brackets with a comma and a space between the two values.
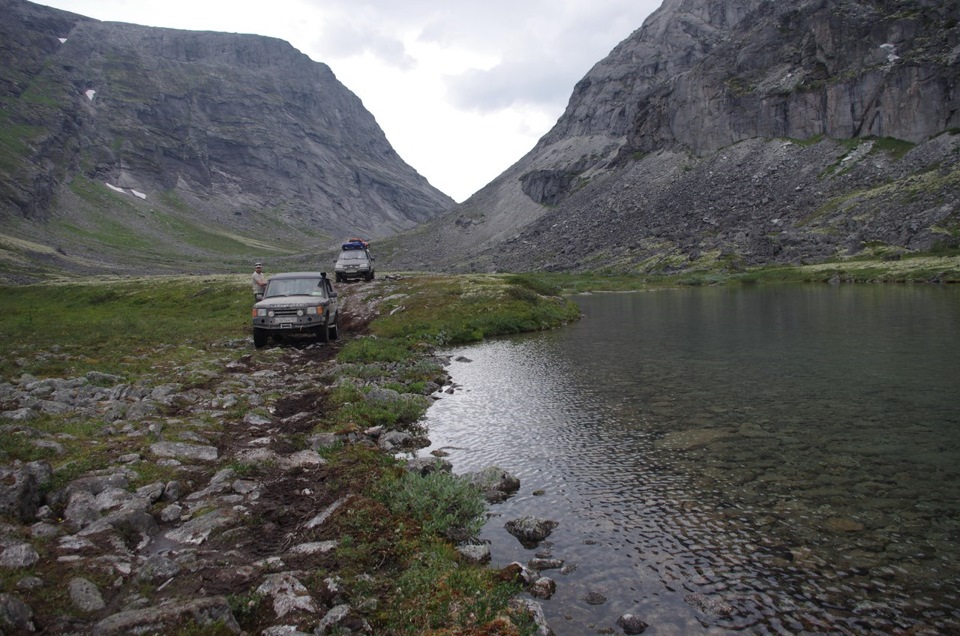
[462, 88]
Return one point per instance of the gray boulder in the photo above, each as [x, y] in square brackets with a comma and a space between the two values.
[19, 556]
[15, 615]
[165, 618]
[631, 624]
[20, 489]
[495, 483]
[342, 619]
[85, 595]
[530, 529]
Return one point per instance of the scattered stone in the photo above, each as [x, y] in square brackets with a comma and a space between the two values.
[534, 611]
[158, 568]
[20, 415]
[284, 630]
[476, 554]
[255, 419]
[342, 619]
[316, 547]
[15, 615]
[165, 618]
[424, 466]
[180, 450]
[304, 459]
[544, 588]
[197, 530]
[321, 518]
[631, 624]
[19, 556]
[516, 572]
[495, 483]
[20, 489]
[85, 595]
[288, 594]
[530, 529]
[545, 564]
[594, 598]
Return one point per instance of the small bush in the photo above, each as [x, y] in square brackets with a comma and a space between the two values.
[446, 505]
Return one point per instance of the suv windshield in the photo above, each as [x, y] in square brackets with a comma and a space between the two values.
[353, 255]
[294, 287]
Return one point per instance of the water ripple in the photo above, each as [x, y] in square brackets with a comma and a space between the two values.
[744, 461]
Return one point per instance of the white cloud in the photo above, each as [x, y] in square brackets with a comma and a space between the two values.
[461, 88]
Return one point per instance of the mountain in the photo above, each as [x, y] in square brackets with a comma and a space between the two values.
[127, 148]
[732, 133]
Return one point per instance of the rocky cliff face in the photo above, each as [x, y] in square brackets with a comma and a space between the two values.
[838, 69]
[748, 131]
[230, 134]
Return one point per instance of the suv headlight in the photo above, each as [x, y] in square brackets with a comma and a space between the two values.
[312, 311]
[260, 313]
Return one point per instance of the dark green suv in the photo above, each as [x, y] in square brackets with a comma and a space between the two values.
[296, 303]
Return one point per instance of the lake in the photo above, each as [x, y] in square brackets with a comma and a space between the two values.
[767, 460]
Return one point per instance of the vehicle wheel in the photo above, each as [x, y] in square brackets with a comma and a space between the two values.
[333, 331]
[323, 334]
[369, 277]
[339, 278]
[259, 338]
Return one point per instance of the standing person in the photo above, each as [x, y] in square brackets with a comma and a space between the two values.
[259, 281]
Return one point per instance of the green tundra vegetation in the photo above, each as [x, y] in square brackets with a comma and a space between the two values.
[188, 327]
[185, 329]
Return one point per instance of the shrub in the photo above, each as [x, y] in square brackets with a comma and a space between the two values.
[446, 505]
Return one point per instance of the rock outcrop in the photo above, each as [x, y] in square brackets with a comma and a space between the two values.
[745, 132]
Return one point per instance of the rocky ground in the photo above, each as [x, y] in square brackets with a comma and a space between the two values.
[243, 504]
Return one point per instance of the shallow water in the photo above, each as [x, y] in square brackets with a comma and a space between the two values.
[767, 460]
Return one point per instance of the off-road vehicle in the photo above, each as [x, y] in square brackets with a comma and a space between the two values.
[355, 261]
[302, 303]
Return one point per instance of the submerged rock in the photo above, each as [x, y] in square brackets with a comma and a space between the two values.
[495, 483]
[631, 624]
[529, 529]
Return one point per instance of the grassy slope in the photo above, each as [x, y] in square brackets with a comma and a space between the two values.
[110, 231]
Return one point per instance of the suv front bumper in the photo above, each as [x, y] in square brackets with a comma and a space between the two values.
[290, 320]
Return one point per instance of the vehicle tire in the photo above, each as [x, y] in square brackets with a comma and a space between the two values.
[333, 331]
[369, 276]
[259, 338]
[323, 333]
[339, 278]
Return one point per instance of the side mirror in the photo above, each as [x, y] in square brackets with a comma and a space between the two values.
[333, 294]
